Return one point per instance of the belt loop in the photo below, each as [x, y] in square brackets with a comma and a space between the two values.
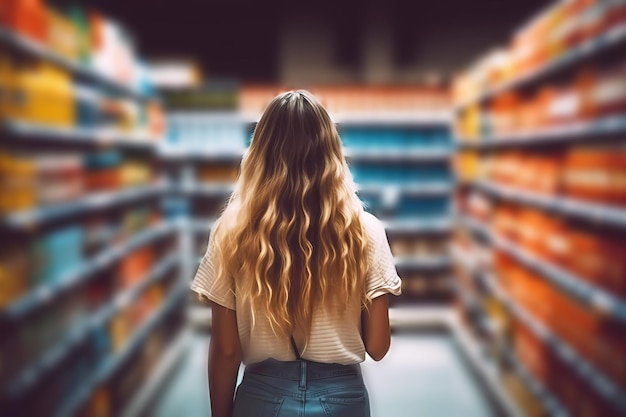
[302, 385]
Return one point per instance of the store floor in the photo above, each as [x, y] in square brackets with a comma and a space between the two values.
[422, 376]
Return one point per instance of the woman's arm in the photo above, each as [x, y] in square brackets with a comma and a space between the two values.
[224, 360]
[375, 326]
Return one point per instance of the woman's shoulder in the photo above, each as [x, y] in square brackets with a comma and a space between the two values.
[373, 226]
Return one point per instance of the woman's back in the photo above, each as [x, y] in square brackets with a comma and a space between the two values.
[294, 267]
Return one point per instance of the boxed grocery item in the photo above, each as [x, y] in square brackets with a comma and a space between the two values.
[26, 17]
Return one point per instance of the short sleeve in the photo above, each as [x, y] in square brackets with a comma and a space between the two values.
[206, 282]
[382, 277]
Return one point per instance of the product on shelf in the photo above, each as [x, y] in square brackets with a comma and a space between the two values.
[26, 17]
[58, 253]
[14, 272]
[564, 27]
[595, 337]
[103, 170]
[218, 172]
[596, 173]
[37, 92]
[135, 266]
[61, 35]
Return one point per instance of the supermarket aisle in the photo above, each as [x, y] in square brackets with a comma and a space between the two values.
[423, 375]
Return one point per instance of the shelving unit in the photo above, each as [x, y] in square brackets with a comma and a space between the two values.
[42, 295]
[595, 46]
[571, 133]
[593, 212]
[96, 201]
[37, 133]
[77, 267]
[519, 119]
[35, 49]
[114, 362]
[586, 294]
[551, 405]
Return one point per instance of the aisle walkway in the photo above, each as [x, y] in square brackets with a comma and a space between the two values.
[422, 376]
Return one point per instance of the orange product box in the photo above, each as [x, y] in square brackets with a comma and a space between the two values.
[608, 94]
[135, 266]
[503, 113]
[26, 17]
[596, 174]
[531, 352]
[104, 179]
[505, 221]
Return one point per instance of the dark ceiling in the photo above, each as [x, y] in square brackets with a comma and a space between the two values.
[240, 38]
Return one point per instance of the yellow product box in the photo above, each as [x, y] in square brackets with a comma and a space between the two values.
[119, 331]
[42, 94]
[466, 165]
[135, 173]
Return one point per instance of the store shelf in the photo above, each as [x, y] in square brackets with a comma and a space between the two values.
[597, 213]
[171, 153]
[422, 262]
[399, 154]
[484, 367]
[416, 226]
[382, 118]
[202, 226]
[44, 294]
[208, 189]
[569, 59]
[96, 201]
[569, 133]
[54, 356]
[394, 191]
[587, 294]
[551, 404]
[600, 382]
[25, 132]
[167, 363]
[37, 50]
[113, 363]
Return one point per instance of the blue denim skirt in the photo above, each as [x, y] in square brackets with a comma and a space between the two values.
[301, 389]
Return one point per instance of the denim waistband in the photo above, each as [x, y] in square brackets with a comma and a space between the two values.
[293, 370]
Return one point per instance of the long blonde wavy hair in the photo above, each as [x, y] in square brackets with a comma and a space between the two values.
[291, 235]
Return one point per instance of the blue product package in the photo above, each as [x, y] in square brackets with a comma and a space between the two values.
[102, 160]
[423, 207]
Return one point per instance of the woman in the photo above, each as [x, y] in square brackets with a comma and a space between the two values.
[297, 273]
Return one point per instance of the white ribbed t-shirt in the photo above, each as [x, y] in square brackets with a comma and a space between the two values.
[334, 338]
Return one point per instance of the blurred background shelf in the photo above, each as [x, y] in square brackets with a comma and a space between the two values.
[69, 342]
[37, 50]
[576, 287]
[44, 294]
[113, 363]
[600, 382]
[594, 212]
[609, 127]
[27, 131]
[610, 40]
[96, 201]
